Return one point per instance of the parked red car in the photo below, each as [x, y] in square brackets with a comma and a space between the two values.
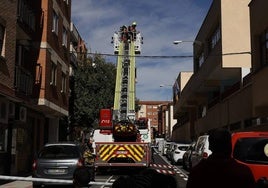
[251, 149]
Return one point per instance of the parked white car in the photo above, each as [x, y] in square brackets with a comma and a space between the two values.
[167, 145]
[170, 149]
[186, 159]
[177, 153]
[201, 150]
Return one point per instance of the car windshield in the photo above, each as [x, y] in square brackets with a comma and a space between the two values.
[183, 148]
[251, 150]
[59, 152]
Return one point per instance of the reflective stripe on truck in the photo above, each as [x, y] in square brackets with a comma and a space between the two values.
[121, 153]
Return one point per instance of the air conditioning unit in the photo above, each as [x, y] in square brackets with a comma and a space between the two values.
[22, 114]
[3, 110]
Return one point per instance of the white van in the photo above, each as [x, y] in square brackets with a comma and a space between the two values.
[201, 150]
[100, 137]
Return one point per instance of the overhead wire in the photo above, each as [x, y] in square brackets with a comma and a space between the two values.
[163, 56]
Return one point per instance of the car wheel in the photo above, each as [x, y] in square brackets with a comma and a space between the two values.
[184, 165]
[190, 165]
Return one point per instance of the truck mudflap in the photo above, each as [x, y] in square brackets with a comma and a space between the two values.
[123, 154]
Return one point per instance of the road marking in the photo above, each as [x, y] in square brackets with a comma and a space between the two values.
[181, 173]
[109, 180]
[177, 170]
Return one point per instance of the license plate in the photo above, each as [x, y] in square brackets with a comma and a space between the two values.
[56, 171]
[121, 152]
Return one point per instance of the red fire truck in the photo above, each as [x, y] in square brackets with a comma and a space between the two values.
[118, 142]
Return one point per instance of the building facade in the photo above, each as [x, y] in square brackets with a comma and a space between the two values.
[227, 86]
[155, 111]
[20, 33]
[34, 78]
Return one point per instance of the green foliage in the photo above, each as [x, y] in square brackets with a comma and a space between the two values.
[137, 106]
[94, 90]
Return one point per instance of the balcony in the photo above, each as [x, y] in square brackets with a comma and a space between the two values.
[74, 34]
[23, 81]
[26, 14]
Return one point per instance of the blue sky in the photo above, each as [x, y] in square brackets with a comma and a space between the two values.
[160, 23]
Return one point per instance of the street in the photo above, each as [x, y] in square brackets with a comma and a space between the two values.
[180, 174]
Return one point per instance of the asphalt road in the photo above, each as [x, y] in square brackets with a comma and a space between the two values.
[110, 176]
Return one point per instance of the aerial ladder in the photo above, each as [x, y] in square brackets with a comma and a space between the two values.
[126, 47]
[127, 43]
[126, 148]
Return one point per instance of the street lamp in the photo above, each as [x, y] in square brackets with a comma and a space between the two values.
[164, 85]
[176, 42]
[167, 85]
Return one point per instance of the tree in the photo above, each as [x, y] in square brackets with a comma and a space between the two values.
[94, 90]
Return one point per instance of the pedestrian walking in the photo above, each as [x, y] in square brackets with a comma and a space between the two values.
[81, 178]
[220, 169]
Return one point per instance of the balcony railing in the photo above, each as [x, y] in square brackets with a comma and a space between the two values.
[26, 14]
[23, 81]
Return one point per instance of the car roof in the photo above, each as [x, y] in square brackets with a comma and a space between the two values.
[250, 134]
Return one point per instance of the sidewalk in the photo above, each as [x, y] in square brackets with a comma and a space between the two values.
[17, 184]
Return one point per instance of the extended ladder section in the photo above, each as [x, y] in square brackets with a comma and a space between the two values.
[124, 99]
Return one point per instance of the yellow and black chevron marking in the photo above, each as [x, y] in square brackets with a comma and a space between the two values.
[134, 151]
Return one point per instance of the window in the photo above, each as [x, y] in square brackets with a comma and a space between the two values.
[3, 139]
[215, 37]
[63, 82]
[201, 59]
[264, 48]
[55, 27]
[251, 150]
[2, 35]
[53, 79]
[64, 37]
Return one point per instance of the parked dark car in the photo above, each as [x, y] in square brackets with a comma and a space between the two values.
[57, 161]
[186, 158]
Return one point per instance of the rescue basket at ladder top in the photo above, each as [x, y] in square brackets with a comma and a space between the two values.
[125, 131]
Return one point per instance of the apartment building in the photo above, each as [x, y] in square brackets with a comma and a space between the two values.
[166, 121]
[155, 112]
[78, 54]
[219, 92]
[19, 47]
[34, 78]
[259, 50]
